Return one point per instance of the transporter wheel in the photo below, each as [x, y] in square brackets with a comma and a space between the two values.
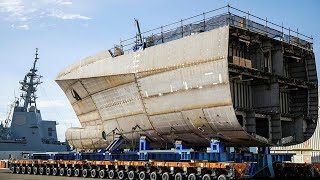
[55, 171]
[206, 177]
[308, 172]
[29, 169]
[192, 176]
[111, 174]
[62, 171]
[35, 170]
[13, 169]
[178, 176]
[142, 175]
[77, 172]
[121, 175]
[102, 174]
[222, 177]
[41, 170]
[131, 175]
[154, 176]
[69, 172]
[93, 173]
[85, 173]
[165, 176]
[18, 169]
[48, 171]
[23, 170]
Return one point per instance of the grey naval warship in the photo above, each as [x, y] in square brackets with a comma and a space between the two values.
[25, 132]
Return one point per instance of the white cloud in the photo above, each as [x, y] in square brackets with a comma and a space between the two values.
[23, 13]
[22, 26]
[65, 16]
[64, 2]
[14, 8]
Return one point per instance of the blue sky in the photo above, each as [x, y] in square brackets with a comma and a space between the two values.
[66, 31]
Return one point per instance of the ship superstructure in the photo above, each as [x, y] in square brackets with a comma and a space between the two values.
[25, 131]
[224, 74]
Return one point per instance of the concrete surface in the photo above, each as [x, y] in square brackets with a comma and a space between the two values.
[6, 175]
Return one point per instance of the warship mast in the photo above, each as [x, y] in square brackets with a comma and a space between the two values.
[29, 85]
[26, 131]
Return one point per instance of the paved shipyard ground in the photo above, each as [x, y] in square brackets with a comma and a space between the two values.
[6, 175]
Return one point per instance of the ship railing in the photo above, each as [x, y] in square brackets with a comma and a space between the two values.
[224, 16]
[273, 30]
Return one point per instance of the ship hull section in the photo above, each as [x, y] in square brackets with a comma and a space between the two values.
[176, 90]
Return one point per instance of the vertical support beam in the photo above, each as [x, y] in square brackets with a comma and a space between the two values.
[251, 122]
[265, 56]
[178, 145]
[144, 144]
[274, 96]
[275, 122]
[277, 61]
[276, 128]
[216, 146]
[270, 165]
[182, 150]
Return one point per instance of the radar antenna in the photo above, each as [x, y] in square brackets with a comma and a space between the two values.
[29, 85]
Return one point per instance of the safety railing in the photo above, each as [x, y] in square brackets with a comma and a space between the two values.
[213, 19]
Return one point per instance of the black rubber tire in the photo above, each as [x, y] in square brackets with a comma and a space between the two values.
[192, 176]
[111, 174]
[62, 171]
[165, 176]
[29, 170]
[77, 172]
[41, 171]
[206, 177]
[178, 176]
[85, 173]
[121, 175]
[93, 173]
[54, 171]
[142, 175]
[69, 172]
[13, 169]
[48, 171]
[23, 170]
[222, 177]
[102, 174]
[35, 170]
[131, 175]
[154, 176]
[18, 170]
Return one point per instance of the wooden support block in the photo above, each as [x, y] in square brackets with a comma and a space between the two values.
[236, 60]
[248, 63]
[242, 62]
